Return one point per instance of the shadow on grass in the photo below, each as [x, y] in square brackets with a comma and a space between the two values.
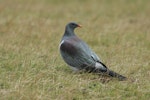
[103, 78]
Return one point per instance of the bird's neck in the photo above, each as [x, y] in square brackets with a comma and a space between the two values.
[69, 32]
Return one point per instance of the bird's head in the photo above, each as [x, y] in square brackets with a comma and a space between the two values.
[69, 31]
[73, 25]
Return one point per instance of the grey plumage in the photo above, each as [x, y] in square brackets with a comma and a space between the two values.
[77, 54]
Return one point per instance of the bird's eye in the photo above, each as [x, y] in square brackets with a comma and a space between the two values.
[73, 25]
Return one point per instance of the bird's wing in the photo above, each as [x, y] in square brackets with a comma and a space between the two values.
[93, 57]
[90, 51]
[87, 54]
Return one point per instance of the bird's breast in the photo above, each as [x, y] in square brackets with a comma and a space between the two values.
[68, 47]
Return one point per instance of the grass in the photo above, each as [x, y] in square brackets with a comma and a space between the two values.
[30, 64]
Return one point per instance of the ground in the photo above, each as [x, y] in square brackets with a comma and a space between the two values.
[31, 67]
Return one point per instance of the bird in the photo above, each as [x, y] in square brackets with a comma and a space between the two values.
[79, 56]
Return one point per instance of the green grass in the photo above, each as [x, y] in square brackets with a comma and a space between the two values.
[30, 64]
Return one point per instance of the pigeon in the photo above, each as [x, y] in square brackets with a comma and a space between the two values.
[79, 56]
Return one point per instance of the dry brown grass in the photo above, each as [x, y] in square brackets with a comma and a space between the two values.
[32, 69]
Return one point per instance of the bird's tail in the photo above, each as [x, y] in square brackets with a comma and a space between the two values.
[114, 74]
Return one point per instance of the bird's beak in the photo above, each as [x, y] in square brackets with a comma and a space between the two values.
[80, 26]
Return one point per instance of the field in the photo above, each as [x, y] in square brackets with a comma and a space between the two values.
[31, 67]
